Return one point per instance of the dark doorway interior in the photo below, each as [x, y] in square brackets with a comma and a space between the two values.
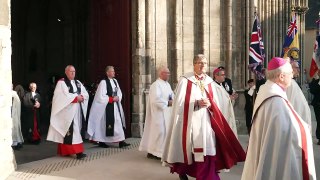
[112, 48]
[47, 35]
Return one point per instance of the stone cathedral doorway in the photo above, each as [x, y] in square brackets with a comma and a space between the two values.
[48, 35]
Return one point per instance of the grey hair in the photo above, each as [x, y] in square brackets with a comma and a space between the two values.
[272, 75]
[198, 57]
[160, 69]
[108, 68]
[67, 67]
[32, 84]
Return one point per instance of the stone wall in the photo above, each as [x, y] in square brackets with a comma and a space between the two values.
[170, 33]
[7, 161]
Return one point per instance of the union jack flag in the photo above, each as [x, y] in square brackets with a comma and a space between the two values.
[256, 50]
[291, 40]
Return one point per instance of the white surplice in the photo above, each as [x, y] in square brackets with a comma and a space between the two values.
[16, 121]
[97, 116]
[200, 134]
[157, 118]
[275, 144]
[299, 102]
[64, 111]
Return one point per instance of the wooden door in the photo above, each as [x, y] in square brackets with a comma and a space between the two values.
[110, 35]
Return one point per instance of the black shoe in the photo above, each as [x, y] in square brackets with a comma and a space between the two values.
[103, 145]
[123, 144]
[81, 156]
[183, 177]
[19, 146]
[151, 156]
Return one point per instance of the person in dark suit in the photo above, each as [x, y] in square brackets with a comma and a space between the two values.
[314, 86]
[31, 116]
[220, 78]
[249, 93]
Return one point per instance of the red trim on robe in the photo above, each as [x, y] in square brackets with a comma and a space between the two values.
[185, 121]
[68, 149]
[35, 132]
[228, 149]
[75, 100]
[305, 170]
[198, 150]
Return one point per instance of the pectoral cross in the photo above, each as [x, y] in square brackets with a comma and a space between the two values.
[201, 86]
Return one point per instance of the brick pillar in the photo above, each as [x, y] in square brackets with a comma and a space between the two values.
[7, 160]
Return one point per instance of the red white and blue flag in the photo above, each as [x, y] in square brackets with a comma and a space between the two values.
[256, 50]
[292, 39]
[315, 62]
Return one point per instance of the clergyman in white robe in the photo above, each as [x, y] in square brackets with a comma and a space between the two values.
[157, 118]
[17, 137]
[97, 118]
[280, 144]
[200, 141]
[299, 102]
[66, 111]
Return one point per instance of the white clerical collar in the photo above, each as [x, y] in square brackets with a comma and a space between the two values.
[33, 94]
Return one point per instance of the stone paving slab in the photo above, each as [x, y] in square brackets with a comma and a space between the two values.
[116, 164]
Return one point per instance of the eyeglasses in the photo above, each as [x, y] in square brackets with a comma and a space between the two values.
[202, 63]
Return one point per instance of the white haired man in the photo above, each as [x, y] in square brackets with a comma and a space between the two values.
[280, 144]
[31, 116]
[69, 109]
[157, 115]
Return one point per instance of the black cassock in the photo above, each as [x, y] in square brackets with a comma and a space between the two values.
[29, 115]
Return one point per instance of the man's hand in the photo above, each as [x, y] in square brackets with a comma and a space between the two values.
[234, 96]
[80, 98]
[36, 104]
[204, 103]
[115, 98]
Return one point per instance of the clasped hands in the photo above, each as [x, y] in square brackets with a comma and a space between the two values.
[80, 98]
[203, 103]
[115, 98]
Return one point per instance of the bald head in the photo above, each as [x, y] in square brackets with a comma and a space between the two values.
[163, 73]
[70, 72]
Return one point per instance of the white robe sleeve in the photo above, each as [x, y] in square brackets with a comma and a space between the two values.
[156, 98]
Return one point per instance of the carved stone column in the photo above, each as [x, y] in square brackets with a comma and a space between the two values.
[7, 160]
[139, 77]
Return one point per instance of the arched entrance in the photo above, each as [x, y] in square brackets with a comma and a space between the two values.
[48, 35]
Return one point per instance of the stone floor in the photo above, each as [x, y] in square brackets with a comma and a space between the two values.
[41, 163]
[112, 163]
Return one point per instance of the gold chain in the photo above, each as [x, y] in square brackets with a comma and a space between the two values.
[201, 85]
